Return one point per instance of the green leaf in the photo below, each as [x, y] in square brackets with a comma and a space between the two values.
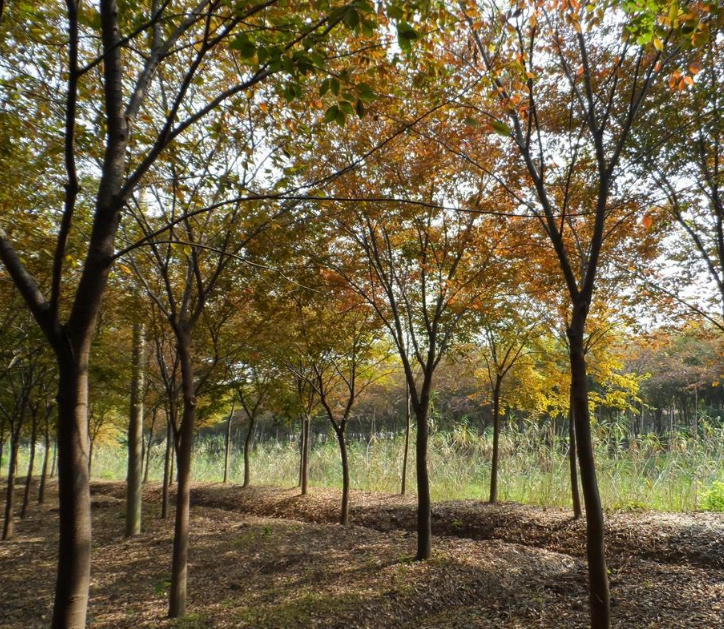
[501, 128]
[471, 122]
[405, 36]
[346, 107]
[394, 12]
[331, 114]
[351, 18]
[246, 47]
[366, 93]
[360, 108]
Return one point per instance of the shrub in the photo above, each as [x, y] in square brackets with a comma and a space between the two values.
[713, 498]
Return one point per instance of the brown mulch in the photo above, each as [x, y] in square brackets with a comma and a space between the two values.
[694, 538]
[283, 572]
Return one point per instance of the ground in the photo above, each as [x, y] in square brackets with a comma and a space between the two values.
[268, 558]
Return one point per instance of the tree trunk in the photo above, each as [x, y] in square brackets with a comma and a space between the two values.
[179, 568]
[148, 446]
[575, 493]
[46, 458]
[247, 451]
[53, 465]
[74, 544]
[302, 437]
[424, 515]
[496, 441]
[595, 547]
[305, 455]
[167, 469]
[405, 454]
[2, 451]
[344, 516]
[134, 501]
[31, 463]
[90, 458]
[227, 446]
[10, 490]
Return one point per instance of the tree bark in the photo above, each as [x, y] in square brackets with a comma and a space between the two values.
[302, 436]
[167, 469]
[10, 489]
[53, 465]
[496, 440]
[74, 545]
[595, 547]
[227, 446]
[305, 454]
[247, 450]
[344, 515]
[148, 445]
[31, 463]
[179, 567]
[90, 458]
[424, 515]
[135, 436]
[575, 493]
[405, 454]
[46, 458]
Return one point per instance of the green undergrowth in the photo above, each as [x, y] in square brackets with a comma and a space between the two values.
[682, 473]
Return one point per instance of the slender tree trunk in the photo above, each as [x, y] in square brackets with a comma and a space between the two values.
[227, 446]
[302, 437]
[134, 500]
[31, 464]
[10, 490]
[424, 514]
[90, 458]
[305, 455]
[247, 450]
[179, 568]
[167, 469]
[344, 515]
[2, 451]
[496, 441]
[595, 547]
[74, 545]
[46, 458]
[408, 415]
[54, 466]
[148, 445]
[572, 461]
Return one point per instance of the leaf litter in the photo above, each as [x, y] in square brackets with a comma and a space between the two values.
[267, 557]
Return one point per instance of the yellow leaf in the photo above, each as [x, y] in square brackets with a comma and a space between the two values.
[126, 269]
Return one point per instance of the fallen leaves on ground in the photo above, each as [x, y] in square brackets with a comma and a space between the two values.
[267, 558]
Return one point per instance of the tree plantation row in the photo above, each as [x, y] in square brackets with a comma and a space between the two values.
[657, 403]
[288, 206]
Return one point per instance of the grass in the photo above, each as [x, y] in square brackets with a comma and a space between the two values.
[677, 474]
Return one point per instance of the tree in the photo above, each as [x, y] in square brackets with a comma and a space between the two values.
[506, 335]
[573, 164]
[152, 53]
[339, 337]
[135, 434]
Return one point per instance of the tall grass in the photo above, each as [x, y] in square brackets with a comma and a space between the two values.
[670, 474]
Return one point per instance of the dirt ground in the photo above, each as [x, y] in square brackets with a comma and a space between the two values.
[268, 558]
